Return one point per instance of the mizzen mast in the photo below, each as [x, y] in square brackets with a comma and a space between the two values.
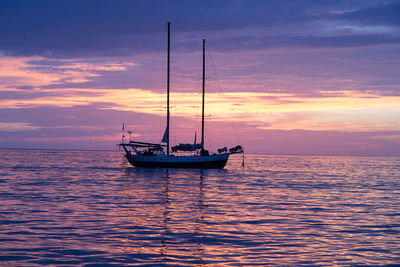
[202, 102]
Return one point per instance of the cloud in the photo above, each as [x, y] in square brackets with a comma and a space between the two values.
[78, 126]
[270, 130]
[16, 71]
[394, 138]
[346, 111]
[380, 14]
[17, 126]
[324, 143]
[252, 43]
[28, 73]
[71, 29]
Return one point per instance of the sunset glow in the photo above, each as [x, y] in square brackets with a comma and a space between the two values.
[336, 77]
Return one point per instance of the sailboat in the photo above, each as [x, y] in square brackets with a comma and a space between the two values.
[162, 155]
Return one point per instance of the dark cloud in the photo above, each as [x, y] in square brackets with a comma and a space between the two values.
[91, 28]
[28, 94]
[309, 41]
[381, 14]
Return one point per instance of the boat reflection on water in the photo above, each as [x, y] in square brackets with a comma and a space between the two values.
[196, 219]
[170, 215]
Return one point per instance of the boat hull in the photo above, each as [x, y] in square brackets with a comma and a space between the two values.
[197, 162]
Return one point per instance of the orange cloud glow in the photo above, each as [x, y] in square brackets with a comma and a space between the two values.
[19, 71]
[268, 111]
[328, 110]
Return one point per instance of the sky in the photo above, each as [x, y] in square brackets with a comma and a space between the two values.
[282, 77]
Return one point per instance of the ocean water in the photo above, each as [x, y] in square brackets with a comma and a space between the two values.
[90, 208]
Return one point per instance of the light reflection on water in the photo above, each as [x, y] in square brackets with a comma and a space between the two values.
[90, 208]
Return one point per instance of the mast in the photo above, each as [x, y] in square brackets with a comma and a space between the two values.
[202, 102]
[168, 63]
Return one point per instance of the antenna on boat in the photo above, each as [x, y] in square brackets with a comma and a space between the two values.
[123, 132]
[130, 136]
[168, 66]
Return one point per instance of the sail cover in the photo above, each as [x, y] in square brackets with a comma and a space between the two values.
[165, 136]
[186, 147]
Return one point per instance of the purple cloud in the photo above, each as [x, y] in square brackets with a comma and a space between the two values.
[68, 29]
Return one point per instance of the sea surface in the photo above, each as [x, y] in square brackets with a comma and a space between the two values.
[90, 208]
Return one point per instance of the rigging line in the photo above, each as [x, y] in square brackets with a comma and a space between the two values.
[211, 144]
[216, 131]
[181, 32]
[148, 80]
[161, 89]
[220, 90]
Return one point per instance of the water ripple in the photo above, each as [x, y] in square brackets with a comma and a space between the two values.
[72, 208]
